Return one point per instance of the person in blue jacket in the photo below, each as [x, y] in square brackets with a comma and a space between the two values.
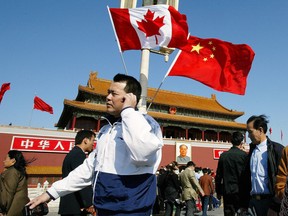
[122, 167]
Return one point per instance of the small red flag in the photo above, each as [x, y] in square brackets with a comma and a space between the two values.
[219, 64]
[41, 105]
[4, 88]
[149, 27]
[270, 130]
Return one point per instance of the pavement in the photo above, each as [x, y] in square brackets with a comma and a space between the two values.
[215, 212]
[54, 205]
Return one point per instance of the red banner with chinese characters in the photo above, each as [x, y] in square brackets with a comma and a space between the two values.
[41, 144]
[218, 152]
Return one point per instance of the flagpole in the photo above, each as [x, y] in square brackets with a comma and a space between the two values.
[31, 117]
[31, 112]
[118, 44]
[156, 94]
[172, 64]
[144, 71]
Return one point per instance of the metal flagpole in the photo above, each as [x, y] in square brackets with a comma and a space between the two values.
[144, 70]
[156, 94]
[31, 112]
[31, 117]
[176, 57]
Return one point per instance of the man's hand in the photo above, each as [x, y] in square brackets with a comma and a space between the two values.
[40, 199]
[219, 196]
[91, 210]
[129, 100]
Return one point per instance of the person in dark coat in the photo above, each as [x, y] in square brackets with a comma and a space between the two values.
[229, 172]
[80, 202]
[261, 169]
[172, 190]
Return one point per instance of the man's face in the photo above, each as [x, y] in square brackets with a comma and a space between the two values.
[183, 151]
[90, 144]
[115, 98]
[254, 134]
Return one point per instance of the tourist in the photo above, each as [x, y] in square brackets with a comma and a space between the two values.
[80, 202]
[284, 201]
[172, 190]
[262, 167]
[206, 183]
[190, 188]
[13, 184]
[229, 172]
[281, 190]
[122, 167]
[282, 174]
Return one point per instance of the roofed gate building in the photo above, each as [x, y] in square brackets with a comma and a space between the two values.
[181, 116]
[202, 124]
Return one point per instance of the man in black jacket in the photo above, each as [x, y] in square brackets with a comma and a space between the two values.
[76, 203]
[261, 169]
[229, 172]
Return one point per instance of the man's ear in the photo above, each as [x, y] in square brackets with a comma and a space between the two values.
[261, 129]
[85, 140]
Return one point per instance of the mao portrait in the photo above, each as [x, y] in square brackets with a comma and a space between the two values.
[183, 151]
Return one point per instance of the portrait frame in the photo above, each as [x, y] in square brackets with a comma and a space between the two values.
[188, 153]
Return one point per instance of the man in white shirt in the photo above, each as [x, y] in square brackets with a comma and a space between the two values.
[122, 167]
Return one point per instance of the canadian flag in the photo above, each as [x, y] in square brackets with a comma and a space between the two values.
[149, 27]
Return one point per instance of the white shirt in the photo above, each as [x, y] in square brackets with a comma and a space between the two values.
[259, 169]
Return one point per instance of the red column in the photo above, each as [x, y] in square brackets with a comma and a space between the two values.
[218, 136]
[203, 135]
[98, 125]
[73, 123]
[186, 135]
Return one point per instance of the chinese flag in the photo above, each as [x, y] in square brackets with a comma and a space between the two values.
[149, 27]
[41, 105]
[4, 88]
[218, 64]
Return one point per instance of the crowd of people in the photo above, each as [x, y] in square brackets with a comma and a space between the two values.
[120, 172]
[249, 183]
[185, 188]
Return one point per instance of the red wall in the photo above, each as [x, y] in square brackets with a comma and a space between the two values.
[42, 159]
[202, 156]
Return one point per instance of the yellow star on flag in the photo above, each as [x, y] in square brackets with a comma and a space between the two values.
[197, 48]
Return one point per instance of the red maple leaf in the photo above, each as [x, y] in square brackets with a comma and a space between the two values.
[149, 26]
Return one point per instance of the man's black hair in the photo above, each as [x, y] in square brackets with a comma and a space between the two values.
[259, 121]
[191, 163]
[237, 138]
[132, 84]
[82, 134]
